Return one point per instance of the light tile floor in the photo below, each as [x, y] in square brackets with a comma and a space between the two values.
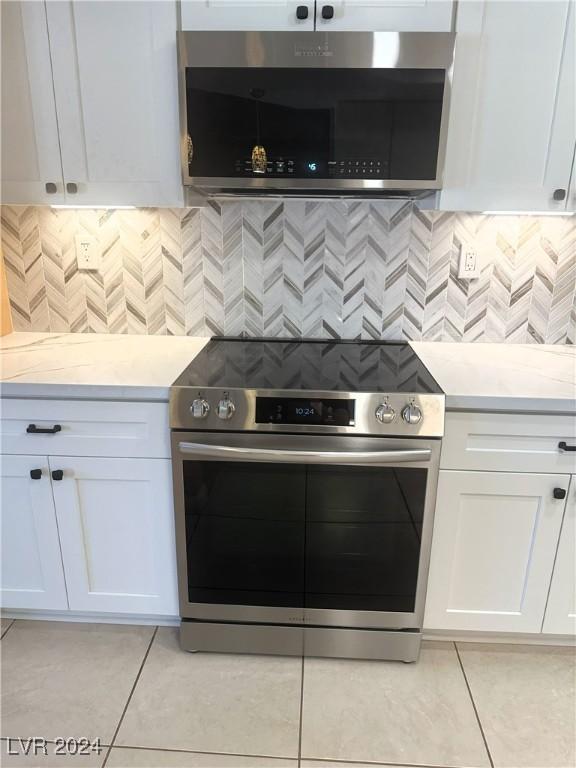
[461, 706]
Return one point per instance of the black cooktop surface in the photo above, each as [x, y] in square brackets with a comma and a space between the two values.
[342, 366]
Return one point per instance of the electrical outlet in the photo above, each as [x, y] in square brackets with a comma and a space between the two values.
[469, 264]
[87, 252]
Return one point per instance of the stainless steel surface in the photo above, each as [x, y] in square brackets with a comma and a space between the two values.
[363, 458]
[301, 641]
[306, 443]
[317, 50]
[365, 420]
[352, 50]
[412, 414]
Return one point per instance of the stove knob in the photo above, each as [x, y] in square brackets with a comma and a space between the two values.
[200, 408]
[226, 408]
[411, 413]
[385, 413]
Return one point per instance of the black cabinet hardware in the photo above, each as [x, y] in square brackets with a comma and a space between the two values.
[302, 12]
[327, 12]
[32, 429]
[35, 474]
[559, 493]
[57, 474]
[51, 188]
[71, 188]
[565, 447]
[559, 194]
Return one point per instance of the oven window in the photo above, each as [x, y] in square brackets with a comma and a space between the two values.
[245, 533]
[313, 536]
[363, 533]
[315, 123]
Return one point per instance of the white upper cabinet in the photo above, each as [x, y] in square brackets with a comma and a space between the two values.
[338, 15]
[115, 82]
[512, 129]
[256, 15]
[384, 15]
[90, 103]
[571, 204]
[31, 171]
[560, 616]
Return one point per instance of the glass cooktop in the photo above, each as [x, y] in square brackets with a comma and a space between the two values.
[341, 366]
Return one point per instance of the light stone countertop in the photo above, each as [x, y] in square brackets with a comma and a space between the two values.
[503, 377]
[93, 366]
[478, 376]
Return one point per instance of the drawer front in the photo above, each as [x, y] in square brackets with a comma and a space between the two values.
[87, 428]
[508, 442]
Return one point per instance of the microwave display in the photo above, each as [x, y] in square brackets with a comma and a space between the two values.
[305, 123]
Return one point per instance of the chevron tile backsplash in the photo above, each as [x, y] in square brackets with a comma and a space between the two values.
[381, 270]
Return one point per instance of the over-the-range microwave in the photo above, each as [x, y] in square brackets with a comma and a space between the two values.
[314, 114]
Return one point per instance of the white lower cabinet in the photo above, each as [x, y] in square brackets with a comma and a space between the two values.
[31, 571]
[560, 618]
[117, 535]
[494, 544]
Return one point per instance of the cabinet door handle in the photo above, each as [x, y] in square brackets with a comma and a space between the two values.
[71, 188]
[302, 12]
[559, 493]
[35, 474]
[327, 12]
[559, 195]
[32, 429]
[50, 188]
[57, 474]
[565, 447]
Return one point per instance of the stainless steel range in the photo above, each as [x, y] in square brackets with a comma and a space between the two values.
[305, 478]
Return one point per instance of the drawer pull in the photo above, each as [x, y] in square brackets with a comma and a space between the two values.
[57, 474]
[35, 474]
[32, 429]
[559, 493]
[565, 447]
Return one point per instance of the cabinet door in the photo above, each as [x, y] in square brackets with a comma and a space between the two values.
[115, 81]
[383, 15]
[571, 204]
[494, 542]
[257, 15]
[117, 534]
[560, 616]
[30, 150]
[32, 575]
[512, 128]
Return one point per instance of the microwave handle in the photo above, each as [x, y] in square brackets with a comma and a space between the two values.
[202, 451]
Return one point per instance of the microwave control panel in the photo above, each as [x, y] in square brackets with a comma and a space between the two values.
[280, 167]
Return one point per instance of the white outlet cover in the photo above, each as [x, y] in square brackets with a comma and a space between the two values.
[87, 252]
[469, 263]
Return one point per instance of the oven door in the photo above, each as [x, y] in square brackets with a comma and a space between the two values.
[308, 530]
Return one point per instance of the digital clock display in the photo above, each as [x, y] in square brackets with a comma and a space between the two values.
[298, 410]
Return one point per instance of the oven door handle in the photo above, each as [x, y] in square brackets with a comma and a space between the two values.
[203, 451]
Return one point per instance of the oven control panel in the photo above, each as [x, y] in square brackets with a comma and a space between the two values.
[364, 413]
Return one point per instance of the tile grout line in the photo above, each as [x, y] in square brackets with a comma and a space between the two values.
[201, 752]
[474, 705]
[8, 628]
[301, 714]
[130, 696]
